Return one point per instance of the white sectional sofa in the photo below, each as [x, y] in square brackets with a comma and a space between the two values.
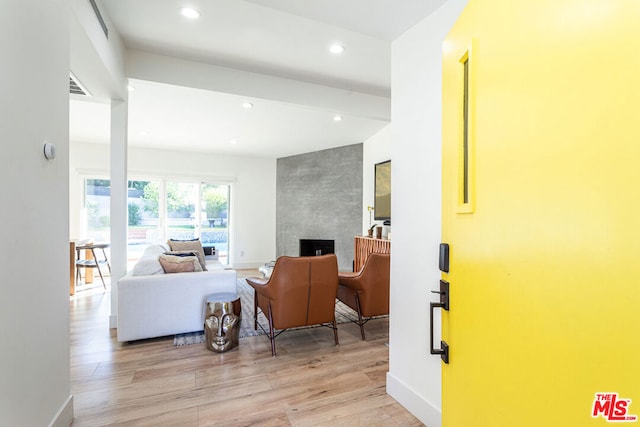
[153, 304]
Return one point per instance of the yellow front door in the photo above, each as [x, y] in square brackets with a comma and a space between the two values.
[541, 209]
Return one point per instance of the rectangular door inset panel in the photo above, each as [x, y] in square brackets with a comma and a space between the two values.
[466, 188]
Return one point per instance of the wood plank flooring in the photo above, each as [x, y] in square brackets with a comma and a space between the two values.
[152, 383]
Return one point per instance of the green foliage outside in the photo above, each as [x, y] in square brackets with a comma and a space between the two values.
[215, 199]
[138, 185]
[99, 182]
[92, 213]
[134, 214]
[104, 221]
[93, 218]
[177, 199]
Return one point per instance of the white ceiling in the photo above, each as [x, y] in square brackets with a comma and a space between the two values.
[288, 39]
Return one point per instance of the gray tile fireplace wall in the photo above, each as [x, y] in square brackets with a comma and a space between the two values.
[319, 196]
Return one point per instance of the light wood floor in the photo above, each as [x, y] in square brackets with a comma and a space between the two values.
[153, 383]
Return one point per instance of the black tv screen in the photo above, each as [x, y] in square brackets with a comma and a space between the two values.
[382, 202]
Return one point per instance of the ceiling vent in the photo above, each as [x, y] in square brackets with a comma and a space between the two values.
[75, 87]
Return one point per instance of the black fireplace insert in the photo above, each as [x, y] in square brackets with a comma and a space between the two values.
[314, 247]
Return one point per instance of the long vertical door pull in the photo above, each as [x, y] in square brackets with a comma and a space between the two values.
[443, 351]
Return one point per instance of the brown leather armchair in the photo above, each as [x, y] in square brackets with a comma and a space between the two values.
[367, 291]
[300, 292]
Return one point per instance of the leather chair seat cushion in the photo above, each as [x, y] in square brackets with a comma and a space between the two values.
[371, 284]
[347, 296]
[370, 304]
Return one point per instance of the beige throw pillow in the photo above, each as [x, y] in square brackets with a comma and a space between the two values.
[189, 245]
[179, 264]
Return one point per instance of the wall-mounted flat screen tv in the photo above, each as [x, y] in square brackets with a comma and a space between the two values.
[382, 203]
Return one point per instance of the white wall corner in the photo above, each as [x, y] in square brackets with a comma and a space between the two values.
[421, 408]
[245, 265]
[376, 149]
[64, 416]
[416, 109]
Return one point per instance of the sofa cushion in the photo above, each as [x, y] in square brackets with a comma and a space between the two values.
[192, 254]
[179, 264]
[154, 250]
[147, 266]
[189, 245]
[148, 262]
[182, 253]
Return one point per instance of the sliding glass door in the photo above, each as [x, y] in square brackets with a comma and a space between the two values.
[144, 211]
[159, 210]
[214, 218]
[182, 210]
[96, 217]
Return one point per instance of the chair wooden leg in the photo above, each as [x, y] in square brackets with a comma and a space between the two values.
[105, 258]
[98, 267]
[271, 333]
[360, 322]
[335, 331]
[102, 278]
[255, 310]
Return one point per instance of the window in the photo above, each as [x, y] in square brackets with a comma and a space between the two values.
[182, 203]
[96, 214]
[159, 210]
[214, 231]
[97, 205]
[145, 227]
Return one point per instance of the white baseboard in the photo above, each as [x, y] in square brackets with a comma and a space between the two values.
[243, 265]
[64, 417]
[420, 407]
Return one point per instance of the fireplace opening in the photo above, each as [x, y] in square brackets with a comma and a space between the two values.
[316, 247]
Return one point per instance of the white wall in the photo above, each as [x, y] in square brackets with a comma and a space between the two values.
[253, 198]
[376, 149]
[34, 266]
[97, 61]
[414, 377]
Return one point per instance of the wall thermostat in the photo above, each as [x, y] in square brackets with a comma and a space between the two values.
[49, 151]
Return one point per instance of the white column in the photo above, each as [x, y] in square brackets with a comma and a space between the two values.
[118, 152]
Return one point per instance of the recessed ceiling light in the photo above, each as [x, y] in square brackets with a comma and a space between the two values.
[233, 142]
[336, 48]
[190, 13]
[337, 118]
[144, 133]
[247, 105]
